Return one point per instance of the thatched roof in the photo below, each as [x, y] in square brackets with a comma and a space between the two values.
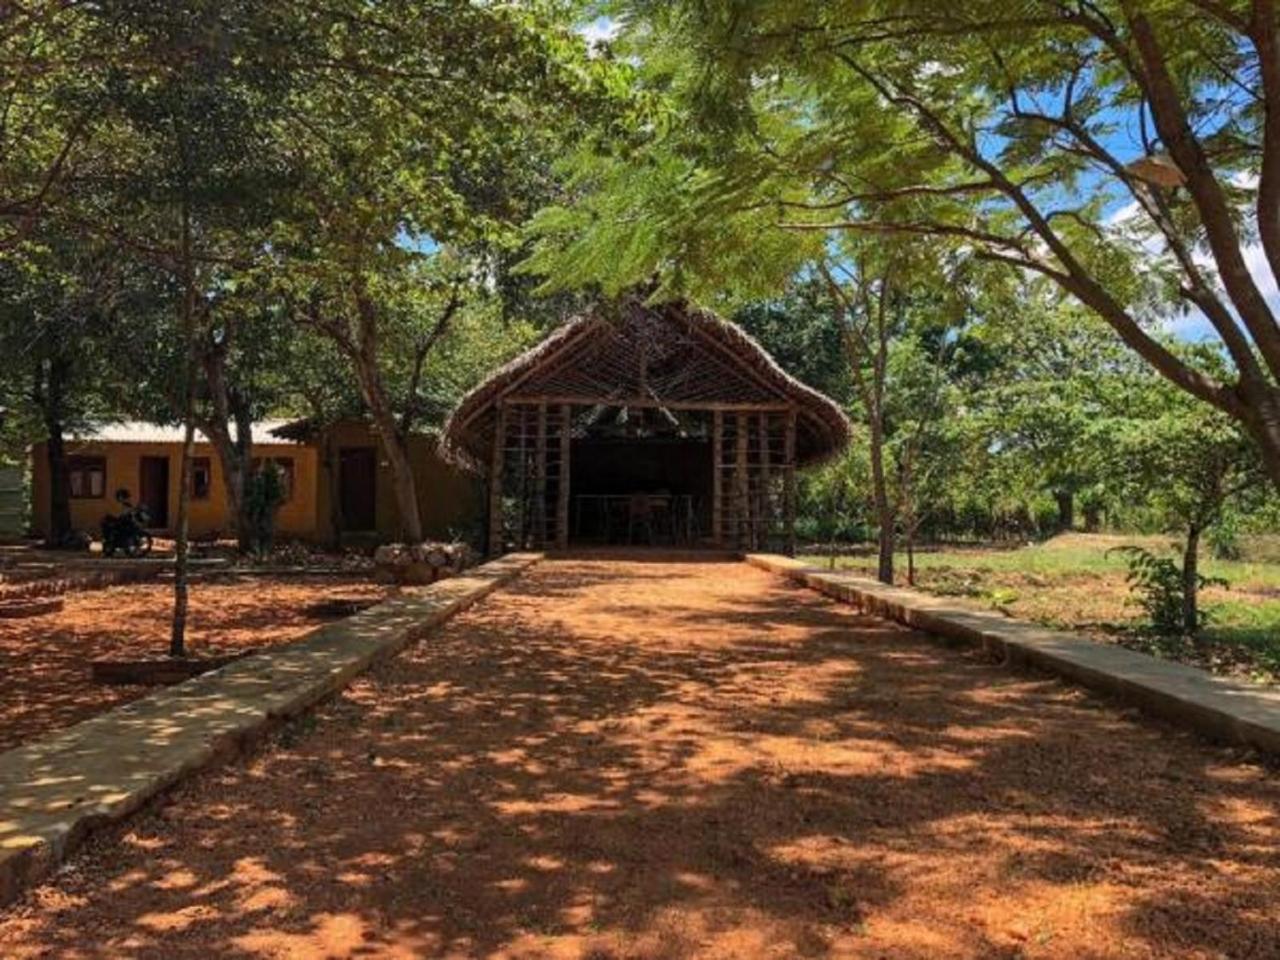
[674, 356]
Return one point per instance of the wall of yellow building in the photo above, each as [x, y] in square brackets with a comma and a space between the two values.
[450, 501]
[297, 516]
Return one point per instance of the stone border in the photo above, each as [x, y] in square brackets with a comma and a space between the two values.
[55, 791]
[1215, 707]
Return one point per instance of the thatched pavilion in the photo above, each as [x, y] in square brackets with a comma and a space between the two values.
[643, 424]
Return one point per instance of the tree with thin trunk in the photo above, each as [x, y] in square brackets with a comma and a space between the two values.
[358, 329]
[884, 297]
[926, 444]
[1188, 464]
[433, 140]
[869, 307]
[191, 183]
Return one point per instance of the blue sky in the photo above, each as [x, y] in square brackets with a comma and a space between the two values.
[601, 28]
[1125, 141]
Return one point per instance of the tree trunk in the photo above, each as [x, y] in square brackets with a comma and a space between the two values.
[1092, 517]
[330, 466]
[1262, 422]
[884, 510]
[234, 453]
[181, 546]
[49, 395]
[243, 457]
[1191, 581]
[396, 448]
[59, 486]
[911, 554]
[394, 443]
[235, 457]
[1066, 510]
[402, 479]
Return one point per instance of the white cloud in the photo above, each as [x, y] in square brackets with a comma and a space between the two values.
[1256, 260]
[1193, 324]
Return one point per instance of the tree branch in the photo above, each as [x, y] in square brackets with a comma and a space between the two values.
[421, 350]
[1206, 192]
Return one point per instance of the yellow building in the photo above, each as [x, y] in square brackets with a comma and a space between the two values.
[336, 476]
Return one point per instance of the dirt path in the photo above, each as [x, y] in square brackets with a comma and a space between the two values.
[666, 760]
[44, 661]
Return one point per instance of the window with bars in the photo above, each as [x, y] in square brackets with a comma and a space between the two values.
[87, 477]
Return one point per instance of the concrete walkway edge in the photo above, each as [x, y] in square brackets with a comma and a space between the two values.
[55, 791]
[1218, 708]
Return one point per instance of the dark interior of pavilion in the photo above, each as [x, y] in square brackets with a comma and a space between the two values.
[640, 476]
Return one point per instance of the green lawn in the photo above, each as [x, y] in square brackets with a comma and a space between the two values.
[1074, 582]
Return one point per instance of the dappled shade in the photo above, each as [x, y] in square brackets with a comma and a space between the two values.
[626, 759]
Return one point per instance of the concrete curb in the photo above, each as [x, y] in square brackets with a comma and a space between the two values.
[1214, 707]
[55, 791]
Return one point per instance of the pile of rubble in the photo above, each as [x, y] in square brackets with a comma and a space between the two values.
[408, 563]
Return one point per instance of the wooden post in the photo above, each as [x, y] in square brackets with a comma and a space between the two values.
[717, 486]
[562, 498]
[495, 480]
[540, 480]
[741, 488]
[521, 473]
[789, 483]
[766, 507]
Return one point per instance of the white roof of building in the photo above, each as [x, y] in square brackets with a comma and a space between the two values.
[140, 431]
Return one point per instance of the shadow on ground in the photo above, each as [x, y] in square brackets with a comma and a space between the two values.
[45, 682]
[618, 759]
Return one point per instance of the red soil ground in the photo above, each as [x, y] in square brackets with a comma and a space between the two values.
[44, 661]
[636, 760]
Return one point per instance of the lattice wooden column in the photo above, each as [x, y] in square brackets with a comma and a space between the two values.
[766, 506]
[717, 487]
[789, 483]
[741, 482]
[540, 479]
[495, 480]
[562, 491]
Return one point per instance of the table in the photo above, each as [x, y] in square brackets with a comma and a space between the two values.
[660, 514]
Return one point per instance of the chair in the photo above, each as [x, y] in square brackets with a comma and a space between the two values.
[640, 516]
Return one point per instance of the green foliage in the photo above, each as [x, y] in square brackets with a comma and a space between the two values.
[1185, 462]
[770, 131]
[832, 500]
[318, 156]
[263, 496]
[1158, 585]
[801, 332]
[1224, 537]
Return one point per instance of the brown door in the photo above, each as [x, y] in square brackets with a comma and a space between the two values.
[153, 488]
[357, 487]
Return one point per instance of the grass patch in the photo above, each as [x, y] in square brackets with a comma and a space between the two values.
[1074, 582]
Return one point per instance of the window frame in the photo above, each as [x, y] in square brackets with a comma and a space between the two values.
[85, 465]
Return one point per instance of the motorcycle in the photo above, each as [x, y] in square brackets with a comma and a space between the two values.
[126, 532]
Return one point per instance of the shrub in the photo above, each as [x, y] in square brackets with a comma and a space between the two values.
[263, 494]
[1224, 538]
[1158, 586]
